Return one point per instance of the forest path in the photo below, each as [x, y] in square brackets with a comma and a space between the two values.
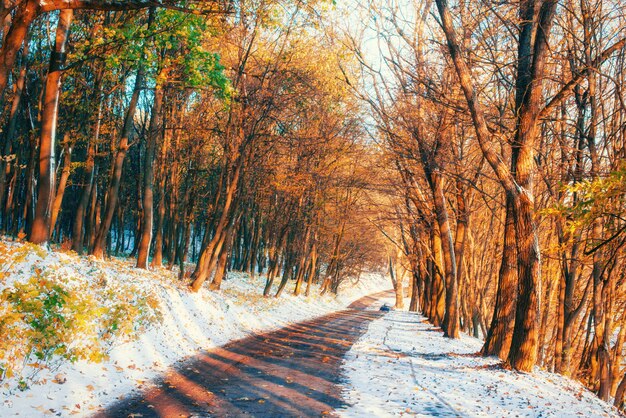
[293, 371]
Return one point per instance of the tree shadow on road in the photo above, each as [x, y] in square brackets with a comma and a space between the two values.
[293, 371]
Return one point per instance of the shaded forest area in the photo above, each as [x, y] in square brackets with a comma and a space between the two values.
[476, 148]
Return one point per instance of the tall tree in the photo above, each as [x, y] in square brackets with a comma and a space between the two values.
[40, 229]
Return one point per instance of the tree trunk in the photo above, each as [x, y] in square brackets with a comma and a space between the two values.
[157, 259]
[450, 323]
[222, 265]
[534, 35]
[12, 123]
[437, 295]
[287, 271]
[25, 13]
[116, 174]
[523, 352]
[78, 232]
[498, 341]
[303, 259]
[397, 284]
[65, 174]
[28, 210]
[40, 231]
[208, 258]
[312, 267]
[415, 290]
[148, 178]
[184, 242]
[619, 394]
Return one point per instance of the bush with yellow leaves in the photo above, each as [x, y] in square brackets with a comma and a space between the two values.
[44, 321]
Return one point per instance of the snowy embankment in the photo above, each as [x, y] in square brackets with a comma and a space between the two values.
[188, 322]
[402, 366]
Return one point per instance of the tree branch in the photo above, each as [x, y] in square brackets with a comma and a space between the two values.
[561, 94]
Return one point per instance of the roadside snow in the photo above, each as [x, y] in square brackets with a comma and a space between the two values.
[402, 366]
[191, 322]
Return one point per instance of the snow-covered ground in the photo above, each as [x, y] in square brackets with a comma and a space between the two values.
[191, 322]
[402, 366]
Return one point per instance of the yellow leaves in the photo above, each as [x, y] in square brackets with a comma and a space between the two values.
[52, 318]
[10, 255]
[37, 365]
[152, 302]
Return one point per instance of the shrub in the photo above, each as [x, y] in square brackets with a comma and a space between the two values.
[46, 321]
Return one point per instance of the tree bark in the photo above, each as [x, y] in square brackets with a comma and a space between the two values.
[208, 258]
[157, 259]
[65, 174]
[437, 288]
[535, 26]
[25, 13]
[12, 123]
[222, 262]
[312, 266]
[619, 394]
[78, 232]
[148, 178]
[116, 175]
[451, 322]
[40, 231]
[498, 341]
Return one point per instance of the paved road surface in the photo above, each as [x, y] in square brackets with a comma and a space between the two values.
[291, 372]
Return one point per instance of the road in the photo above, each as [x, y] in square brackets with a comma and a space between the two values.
[290, 372]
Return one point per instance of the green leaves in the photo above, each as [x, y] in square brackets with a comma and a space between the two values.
[180, 48]
[173, 46]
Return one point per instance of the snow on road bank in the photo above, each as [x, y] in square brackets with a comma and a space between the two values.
[190, 322]
[402, 366]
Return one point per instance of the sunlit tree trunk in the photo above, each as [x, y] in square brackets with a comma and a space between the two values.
[450, 323]
[157, 259]
[207, 263]
[40, 230]
[437, 288]
[498, 341]
[154, 131]
[24, 15]
[222, 262]
[312, 267]
[532, 48]
[65, 174]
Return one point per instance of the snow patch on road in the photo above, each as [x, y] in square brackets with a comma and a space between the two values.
[402, 366]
